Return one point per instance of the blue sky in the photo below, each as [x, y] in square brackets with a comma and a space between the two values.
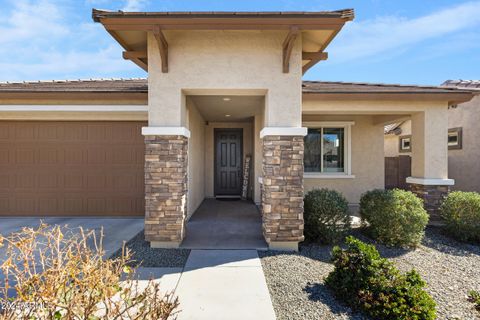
[408, 41]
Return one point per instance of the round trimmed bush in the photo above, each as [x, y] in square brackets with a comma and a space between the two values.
[326, 216]
[461, 213]
[395, 217]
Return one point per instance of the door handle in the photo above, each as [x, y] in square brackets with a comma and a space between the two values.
[239, 173]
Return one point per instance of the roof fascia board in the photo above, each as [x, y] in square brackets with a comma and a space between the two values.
[454, 97]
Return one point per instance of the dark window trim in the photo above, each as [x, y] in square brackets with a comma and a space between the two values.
[459, 144]
[402, 150]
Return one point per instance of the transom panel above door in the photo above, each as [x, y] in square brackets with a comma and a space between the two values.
[228, 162]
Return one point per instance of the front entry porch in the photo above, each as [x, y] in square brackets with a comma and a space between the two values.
[225, 224]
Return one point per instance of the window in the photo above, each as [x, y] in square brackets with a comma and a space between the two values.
[327, 149]
[455, 138]
[405, 144]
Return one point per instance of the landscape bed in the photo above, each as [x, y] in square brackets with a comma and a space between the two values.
[450, 268]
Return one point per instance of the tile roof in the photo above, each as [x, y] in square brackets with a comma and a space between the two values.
[464, 84]
[80, 85]
[361, 87]
[141, 85]
[390, 128]
[343, 14]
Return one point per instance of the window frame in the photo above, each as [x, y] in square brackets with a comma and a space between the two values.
[459, 132]
[401, 148]
[347, 149]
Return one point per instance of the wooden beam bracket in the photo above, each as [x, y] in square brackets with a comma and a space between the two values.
[162, 47]
[288, 46]
[128, 55]
[314, 57]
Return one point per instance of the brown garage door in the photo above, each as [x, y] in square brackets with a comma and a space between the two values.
[71, 168]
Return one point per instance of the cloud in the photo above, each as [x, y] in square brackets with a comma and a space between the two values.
[43, 40]
[135, 5]
[386, 35]
[31, 20]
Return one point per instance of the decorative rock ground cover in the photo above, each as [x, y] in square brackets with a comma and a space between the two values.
[145, 256]
[451, 269]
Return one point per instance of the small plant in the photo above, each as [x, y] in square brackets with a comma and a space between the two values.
[461, 213]
[474, 297]
[58, 273]
[326, 216]
[365, 281]
[395, 217]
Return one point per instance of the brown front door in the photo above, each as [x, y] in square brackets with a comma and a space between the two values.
[73, 168]
[228, 162]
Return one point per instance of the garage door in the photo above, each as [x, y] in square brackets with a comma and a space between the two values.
[71, 168]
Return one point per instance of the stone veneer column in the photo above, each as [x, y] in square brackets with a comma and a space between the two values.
[282, 190]
[165, 189]
[432, 196]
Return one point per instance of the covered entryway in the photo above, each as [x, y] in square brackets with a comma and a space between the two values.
[225, 224]
[73, 168]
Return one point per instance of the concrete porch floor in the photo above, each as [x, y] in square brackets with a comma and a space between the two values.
[220, 224]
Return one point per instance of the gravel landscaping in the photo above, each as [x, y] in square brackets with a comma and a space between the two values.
[145, 256]
[450, 268]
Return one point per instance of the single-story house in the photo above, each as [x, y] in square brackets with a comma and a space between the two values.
[462, 139]
[221, 86]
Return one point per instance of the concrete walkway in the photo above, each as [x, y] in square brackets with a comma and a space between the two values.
[225, 225]
[116, 230]
[224, 284]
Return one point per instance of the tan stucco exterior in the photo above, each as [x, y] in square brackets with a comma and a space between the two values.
[463, 163]
[367, 158]
[224, 62]
[429, 124]
[196, 159]
[392, 141]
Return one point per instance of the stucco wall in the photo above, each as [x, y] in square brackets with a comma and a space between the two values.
[367, 159]
[258, 158]
[213, 62]
[210, 147]
[196, 158]
[463, 164]
[392, 141]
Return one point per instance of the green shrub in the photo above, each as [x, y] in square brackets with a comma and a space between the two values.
[395, 217]
[461, 212]
[474, 297]
[367, 282]
[326, 216]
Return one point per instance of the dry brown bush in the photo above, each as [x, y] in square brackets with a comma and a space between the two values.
[61, 273]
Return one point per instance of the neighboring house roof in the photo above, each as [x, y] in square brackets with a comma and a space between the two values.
[464, 84]
[392, 128]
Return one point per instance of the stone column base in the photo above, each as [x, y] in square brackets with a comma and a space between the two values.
[165, 244]
[432, 196]
[283, 246]
[282, 191]
[165, 189]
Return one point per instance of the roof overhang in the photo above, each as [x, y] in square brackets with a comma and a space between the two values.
[450, 97]
[317, 29]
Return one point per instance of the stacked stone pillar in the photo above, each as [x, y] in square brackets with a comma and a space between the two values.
[432, 196]
[282, 191]
[165, 189]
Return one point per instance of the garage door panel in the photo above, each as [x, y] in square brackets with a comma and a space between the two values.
[71, 168]
[25, 156]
